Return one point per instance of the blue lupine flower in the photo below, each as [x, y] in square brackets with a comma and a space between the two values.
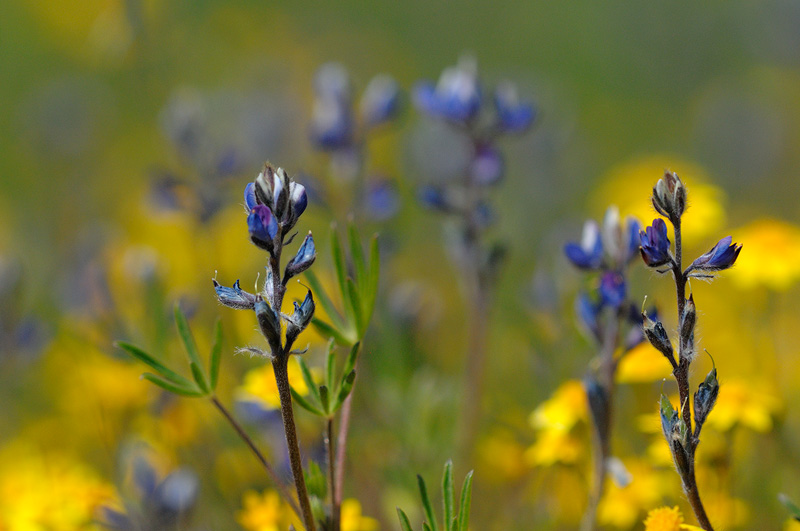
[612, 289]
[487, 165]
[589, 253]
[305, 256]
[262, 226]
[433, 197]
[655, 244]
[722, 256]
[332, 81]
[634, 239]
[588, 312]
[456, 97]
[381, 199]
[332, 123]
[513, 114]
[250, 196]
[300, 319]
[234, 297]
[299, 198]
[380, 101]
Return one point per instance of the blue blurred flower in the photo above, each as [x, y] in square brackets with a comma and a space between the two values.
[457, 95]
[612, 289]
[588, 313]
[380, 101]
[588, 254]
[487, 165]
[513, 115]
[655, 244]
[381, 199]
[433, 197]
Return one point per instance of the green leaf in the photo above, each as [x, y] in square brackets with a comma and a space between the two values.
[354, 299]
[426, 503]
[344, 389]
[370, 289]
[324, 399]
[190, 345]
[405, 525]
[301, 401]
[323, 299]
[352, 358]
[426, 527]
[794, 509]
[170, 386]
[447, 493]
[330, 365]
[316, 481]
[199, 377]
[339, 263]
[146, 358]
[216, 355]
[466, 500]
[357, 253]
[328, 330]
[308, 379]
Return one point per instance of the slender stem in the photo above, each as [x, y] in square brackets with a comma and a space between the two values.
[329, 452]
[263, 460]
[682, 377]
[601, 434]
[280, 366]
[341, 450]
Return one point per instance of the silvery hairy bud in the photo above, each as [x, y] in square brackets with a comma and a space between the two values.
[300, 319]
[669, 196]
[705, 397]
[677, 435]
[305, 256]
[655, 333]
[688, 321]
[269, 323]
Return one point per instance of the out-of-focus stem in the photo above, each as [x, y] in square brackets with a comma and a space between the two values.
[329, 452]
[341, 450]
[280, 367]
[263, 460]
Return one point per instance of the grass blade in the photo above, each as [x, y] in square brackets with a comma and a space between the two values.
[147, 359]
[216, 355]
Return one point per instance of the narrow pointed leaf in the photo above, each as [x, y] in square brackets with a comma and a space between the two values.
[345, 388]
[339, 263]
[357, 254]
[199, 377]
[426, 503]
[371, 282]
[426, 527]
[448, 497]
[358, 310]
[216, 355]
[170, 386]
[352, 358]
[794, 509]
[308, 379]
[301, 401]
[466, 500]
[328, 330]
[330, 366]
[188, 342]
[322, 298]
[146, 358]
[324, 399]
[405, 525]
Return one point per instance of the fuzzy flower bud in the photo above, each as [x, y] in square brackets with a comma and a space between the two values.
[669, 196]
[706, 397]
[305, 256]
[262, 226]
[722, 256]
[655, 333]
[688, 321]
[234, 297]
[655, 244]
[269, 323]
[300, 319]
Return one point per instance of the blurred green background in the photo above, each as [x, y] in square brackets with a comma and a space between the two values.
[93, 93]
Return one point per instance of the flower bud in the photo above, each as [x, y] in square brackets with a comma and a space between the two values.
[250, 196]
[598, 405]
[688, 321]
[234, 297]
[654, 331]
[513, 114]
[722, 256]
[269, 323]
[612, 289]
[706, 397]
[300, 319]
[677, 435]
[262, 226]
[669, 196]
[305, 256]
[380, 100]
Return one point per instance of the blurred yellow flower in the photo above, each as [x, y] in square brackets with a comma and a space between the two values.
[641, 364]
[259, 385]
[554, 421]
[771, 255]
[265, 512]
[791, 525]
[743, 402]
[501, 453]
[630, 184]
[666, 519]
[622, 506]
[53, 491]
[353, 520]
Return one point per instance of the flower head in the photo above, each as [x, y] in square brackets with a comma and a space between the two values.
[722, 256]
[513, 114]
[457, 95]
[666, 519]
[380, 101]
[655, 244]
[669, 196]
[612, 289]
[588, 254]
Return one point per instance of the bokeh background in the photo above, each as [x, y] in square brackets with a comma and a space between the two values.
[129, 128]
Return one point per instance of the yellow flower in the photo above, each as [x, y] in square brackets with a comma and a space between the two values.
[622, 506]
[629, 186]
[643, 364]
[503, 455]
[265, 512]
[353, 520]
[666, 519]
[771, 256]
[791, 525]
[741, 402]
[553, 447]
[555, 420]
[259, 385]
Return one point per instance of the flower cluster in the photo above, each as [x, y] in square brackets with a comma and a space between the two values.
[683, 437]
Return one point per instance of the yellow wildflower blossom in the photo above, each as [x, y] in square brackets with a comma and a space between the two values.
[265, 512]
[353, 520]
[622, 506]
[741, 402]
[555, 420]
[666, 519]
[259, 385]
[772, 255]
[643, 363]
[629, 186]
[791, 525]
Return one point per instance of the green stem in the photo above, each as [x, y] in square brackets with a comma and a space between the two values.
[329, 452]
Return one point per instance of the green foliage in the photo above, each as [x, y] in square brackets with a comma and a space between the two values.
[326, 399]
[452, 521]
[170, 380]
[357, 291]
[789, 504]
